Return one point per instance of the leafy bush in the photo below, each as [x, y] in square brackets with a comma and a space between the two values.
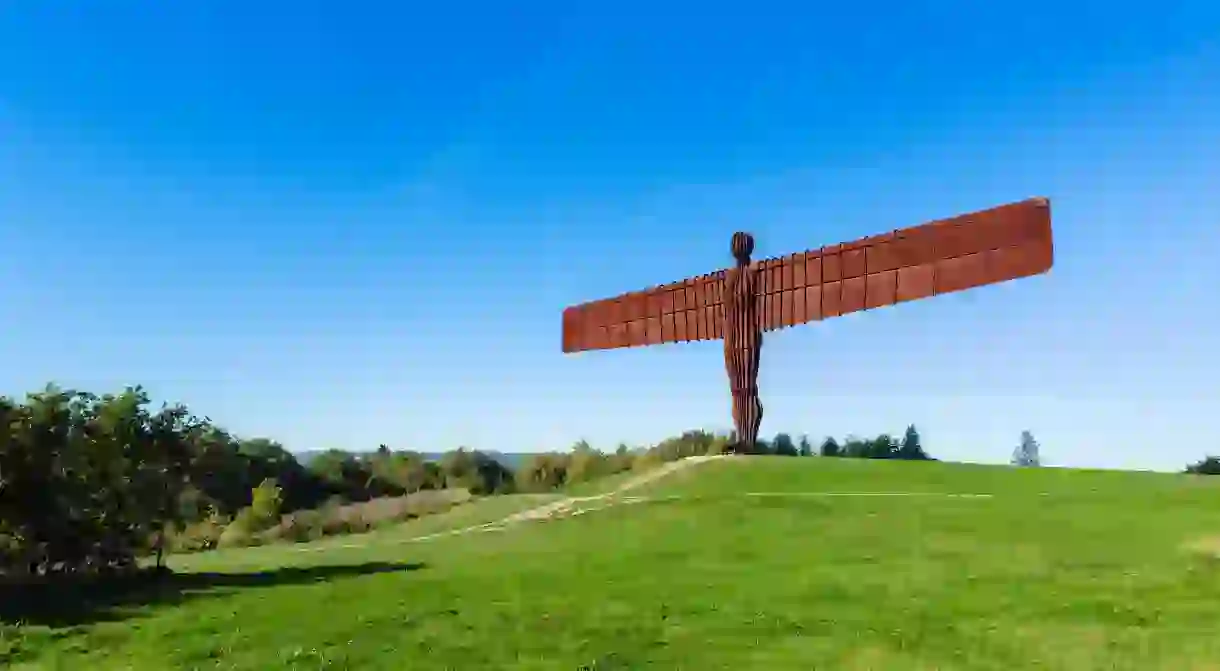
[197, 536]
[543, 472]
[237, 534]
[336, 518]
[647, 460]
[302, 526]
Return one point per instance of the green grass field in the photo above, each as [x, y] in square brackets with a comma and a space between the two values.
[1059, 569]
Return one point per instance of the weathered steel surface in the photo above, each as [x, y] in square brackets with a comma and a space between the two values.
[743, 339]
[738, 304]
[972, 250]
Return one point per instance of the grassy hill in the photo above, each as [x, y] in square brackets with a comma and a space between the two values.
[745, 563]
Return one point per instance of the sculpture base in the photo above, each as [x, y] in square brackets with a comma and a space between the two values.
[741, 448]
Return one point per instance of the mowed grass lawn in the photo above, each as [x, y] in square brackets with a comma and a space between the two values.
[1059, 569]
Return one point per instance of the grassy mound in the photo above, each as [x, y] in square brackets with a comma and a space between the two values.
[743, 563]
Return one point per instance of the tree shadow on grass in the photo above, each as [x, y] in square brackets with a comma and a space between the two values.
[66, 603]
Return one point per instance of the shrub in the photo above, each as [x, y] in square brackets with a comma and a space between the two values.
[302, 526]
[585, 464]
[236, 535]
[265, 503]
[647, 460]
[718, 445]
[337, 518]
[197, 537]
[543, 472]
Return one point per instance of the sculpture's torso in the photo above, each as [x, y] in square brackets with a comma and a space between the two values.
[741, 308]
[742, 346]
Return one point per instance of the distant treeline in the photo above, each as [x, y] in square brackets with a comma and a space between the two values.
[1207, 466]
[91, 483]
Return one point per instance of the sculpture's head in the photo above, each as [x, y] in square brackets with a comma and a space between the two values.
[742, 247]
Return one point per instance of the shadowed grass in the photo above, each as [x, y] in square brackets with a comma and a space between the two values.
[66, 603]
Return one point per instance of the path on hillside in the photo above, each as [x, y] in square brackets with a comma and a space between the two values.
[566, 506]
[571, 506]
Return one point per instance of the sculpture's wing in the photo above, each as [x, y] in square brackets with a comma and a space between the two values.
[971, 250]
[967, 251]
[682, 311]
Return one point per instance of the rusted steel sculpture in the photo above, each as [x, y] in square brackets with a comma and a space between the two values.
[740, 303]
[743, 339]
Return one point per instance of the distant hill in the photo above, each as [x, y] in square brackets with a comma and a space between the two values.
[510, 460]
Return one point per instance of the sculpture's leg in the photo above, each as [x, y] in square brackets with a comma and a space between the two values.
[747, 416]
[738, 416]
[751, 416]
[735, 366]
[742, 365]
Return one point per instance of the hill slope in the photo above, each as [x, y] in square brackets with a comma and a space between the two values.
[741, 563]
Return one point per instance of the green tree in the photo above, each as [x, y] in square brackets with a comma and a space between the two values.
[585, 463]
[409, 471]
[911, 447]
[783, 446]
[689, 444]
[1026, 453]
[857, 448]
[830, 448]
[805, 447]
[348, 476]
[1207, 466]
[543, 472]
[624, 457]
[476, 471]
[87, 483]
[266, 501]
[219, 471]
[882, 447]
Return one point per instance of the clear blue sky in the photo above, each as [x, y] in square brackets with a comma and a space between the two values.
[358, 223]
